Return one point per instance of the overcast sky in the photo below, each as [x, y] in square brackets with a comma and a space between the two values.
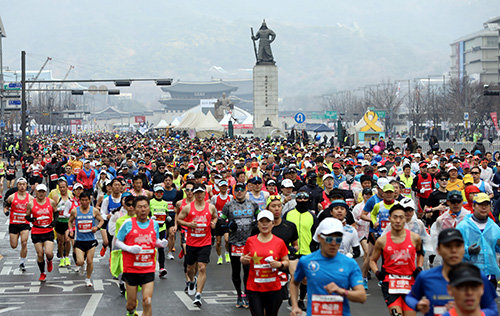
[52, 27]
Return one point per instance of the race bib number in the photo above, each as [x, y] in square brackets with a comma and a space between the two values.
[85, 226]
[199, 231]
[407, 191]
[43, 221]
[399, 284]
[237, 251]
[326, 305]
[18, 218]
[53, 177]
[145, 258]
[11, 172]
[161, 218]
[1, 170]
[439, 310]
[383, 224]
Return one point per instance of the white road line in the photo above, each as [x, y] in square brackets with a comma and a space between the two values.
[186, 300]
[8, 309]
[2, 235]
[91, 306]
[5, 270]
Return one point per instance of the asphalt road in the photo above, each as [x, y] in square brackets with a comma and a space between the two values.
[64, 292]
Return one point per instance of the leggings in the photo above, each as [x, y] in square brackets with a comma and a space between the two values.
[161, 251]
[236, 271]
[264, 303]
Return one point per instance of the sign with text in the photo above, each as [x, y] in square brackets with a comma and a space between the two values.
[140, 119]
[494, 118]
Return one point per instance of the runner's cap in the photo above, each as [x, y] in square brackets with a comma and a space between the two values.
[328, 226]
[465, 273]
[265, 214]
[381, 182]
[388, 188]
[62, 178]
[468, 179]
[21, 180]
[222, 183]
[41, 187]
[77, 186]
[201, 188]
[327, 175]
[287, 183]
[454, 195]
[157, 188]
[481, 198]
[449, 234]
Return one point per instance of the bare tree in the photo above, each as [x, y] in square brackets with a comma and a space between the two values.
[385, 96]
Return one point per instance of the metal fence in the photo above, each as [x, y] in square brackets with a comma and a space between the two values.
[457, 146]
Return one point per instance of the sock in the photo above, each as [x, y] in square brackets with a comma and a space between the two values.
[23, 260]
[74, 256]
[303, 291]
[41, 266]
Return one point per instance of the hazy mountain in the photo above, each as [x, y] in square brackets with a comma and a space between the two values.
[320, 46]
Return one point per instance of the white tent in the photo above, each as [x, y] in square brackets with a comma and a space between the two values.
[162, 124]
[187, 120]
[175, 122]
[209, 126]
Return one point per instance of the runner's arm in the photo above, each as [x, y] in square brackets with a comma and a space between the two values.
[71, 220]
[98, 216]
[28, 211]
[416, 294]
[377, 251]
[213, 211]
[182, 215]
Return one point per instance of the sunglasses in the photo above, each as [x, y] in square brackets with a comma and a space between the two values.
[129, 204]
[330, 239]
[239, 189]
[443, 179]
[274, 198]
[474, 173]
[302, 196]
[188, 189]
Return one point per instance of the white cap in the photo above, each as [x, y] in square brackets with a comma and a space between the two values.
[287, 183]
[41, 187]
[219, 161]
[365, 163]
[21, 180]
[407, 202]
[77, 186]
[452, 167]
[381, 182]
[434, 164]
[265, 214]
[327, 175]
[307, 164]
[328, 226]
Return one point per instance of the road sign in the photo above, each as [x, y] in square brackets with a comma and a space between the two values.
[300, 117]
[331, 115]
[381, 114]
[14, 102]
[12, 86]
[466, 116]
[300, 126]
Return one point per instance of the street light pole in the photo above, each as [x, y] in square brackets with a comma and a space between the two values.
[2, 106]
[23, 101]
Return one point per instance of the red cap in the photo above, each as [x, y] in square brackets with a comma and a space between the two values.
[254, 165]
[191, 166]
[423, 164]
[337, 165]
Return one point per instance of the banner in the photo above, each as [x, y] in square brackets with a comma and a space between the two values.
[140, 119]
[495, 119]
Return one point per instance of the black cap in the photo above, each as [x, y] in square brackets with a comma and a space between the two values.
[255, 180]
[311, 174]
[240, 185]
[450, 234]
[464, 273]
[454, 196]
[367, 191]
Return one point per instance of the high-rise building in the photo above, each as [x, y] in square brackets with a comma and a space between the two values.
[477, 55]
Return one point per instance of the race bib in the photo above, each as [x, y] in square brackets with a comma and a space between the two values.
[1, 170]
[237, 251]
[43, 221]
[11, 172]
[264, 273]
[406, 191]
[399, 284]
[85, 226]
[326, 305]
[439, 310]
[383, 224]
[161, 218]
[199, 231]
[145, 258]
[53, 177]
[36, 173]
[18, 218]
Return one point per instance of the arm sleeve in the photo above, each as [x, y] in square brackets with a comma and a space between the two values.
[124, 230]
[374, 213]
[225, 212]
[104, 207]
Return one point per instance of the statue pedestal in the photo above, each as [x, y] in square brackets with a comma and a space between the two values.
[265, 98]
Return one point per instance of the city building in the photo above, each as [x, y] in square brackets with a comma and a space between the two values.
[477, 55]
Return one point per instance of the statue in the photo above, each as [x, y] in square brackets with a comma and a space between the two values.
[265, 37]
[221, 106]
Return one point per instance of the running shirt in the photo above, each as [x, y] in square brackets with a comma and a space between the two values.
[159, 211]
[260, 200]
[380, 215]
[2, 169]
[202, 234]
[349, 240]
[83, 224]
[261, 277]
[43, 215]
[399, 259]
[219, 201]
[61, 206]
[18, 210]
[243, 214]
[145, 235]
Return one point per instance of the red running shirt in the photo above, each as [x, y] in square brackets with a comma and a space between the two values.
[202, 234]
[399, 259]
[263, 278]
[143, 262]
[18, 210]
[43, 215]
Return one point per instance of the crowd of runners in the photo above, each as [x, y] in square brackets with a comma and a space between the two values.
[307, 224]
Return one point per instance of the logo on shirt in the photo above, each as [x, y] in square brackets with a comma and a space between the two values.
[313, 266]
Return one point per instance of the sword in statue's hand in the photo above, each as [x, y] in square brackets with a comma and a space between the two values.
[254, 46]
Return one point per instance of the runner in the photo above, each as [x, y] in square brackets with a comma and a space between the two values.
[159, 209]
[138, 238]
[328, 272]
[220, 231]
[239, 215]
[19, 228]
[429, 294]
[267, 255]
[109, 206]
[62, 196]
[400, 249]
[199, 217]
[83, 219]
[42, 213]
[11, 171]
[170, 195]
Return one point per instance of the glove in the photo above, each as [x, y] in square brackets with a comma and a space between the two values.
[380, 275]
[29, 218]
[474, 249]
[233, 226]
[7, 213]
[169, 219]
[422, 190]
[161, 243]
[416, 272]
[135, 249]
[53, 224]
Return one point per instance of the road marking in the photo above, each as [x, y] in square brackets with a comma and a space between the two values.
[91, 306]
[186, 300]
[8, 309]
[5, 270]
[2, 235]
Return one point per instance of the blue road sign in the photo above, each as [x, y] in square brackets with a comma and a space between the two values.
[14, 102]
[300, 117]
[15, 85]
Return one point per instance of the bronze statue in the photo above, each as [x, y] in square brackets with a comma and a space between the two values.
[265, 37]
[221, 106]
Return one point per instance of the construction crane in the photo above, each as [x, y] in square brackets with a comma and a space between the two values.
[61, 84]
[39, 72]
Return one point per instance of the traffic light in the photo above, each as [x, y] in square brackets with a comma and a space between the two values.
[491, 92]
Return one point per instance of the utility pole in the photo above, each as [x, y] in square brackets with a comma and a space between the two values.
[2, 106]
[23, 101]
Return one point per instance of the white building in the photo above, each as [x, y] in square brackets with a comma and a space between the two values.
[477, 55]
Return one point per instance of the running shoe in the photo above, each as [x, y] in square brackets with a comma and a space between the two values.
[181, 254]
[187, 287]
[192, 288]
[170, 256]
[228, 258]
[122, 288]
[197, 300]
[301, 304]
[62, 262]
[379, 283]
[49, 266]
[88, 283]
[163, 273]
[103, 251]
[365, 284]
[245, 301]
[43, 277]
[22, 267]
[239, 302]
[67, 261]
[219, 261]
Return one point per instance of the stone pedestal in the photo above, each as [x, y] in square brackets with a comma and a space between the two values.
[265, 98]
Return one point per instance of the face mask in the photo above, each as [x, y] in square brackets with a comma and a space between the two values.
[302, 205]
